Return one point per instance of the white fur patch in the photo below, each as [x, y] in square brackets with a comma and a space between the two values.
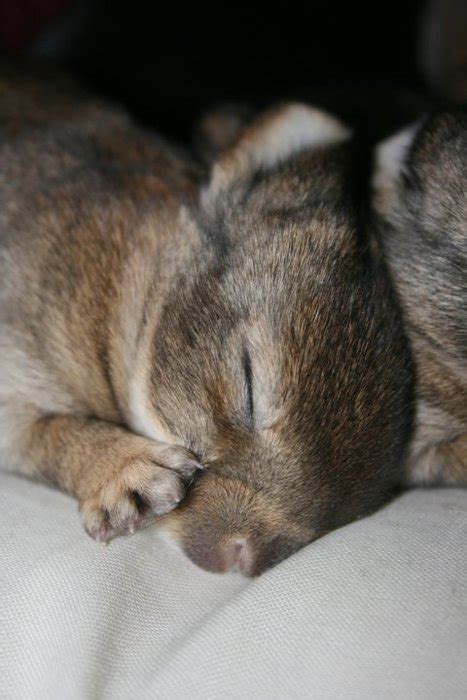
[142, 419]
[296, 129]
[389, 164]
[434, 427]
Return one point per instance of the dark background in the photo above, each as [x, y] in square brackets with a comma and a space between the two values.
[169, 63]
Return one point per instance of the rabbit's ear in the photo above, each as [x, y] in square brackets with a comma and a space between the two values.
[421, 172]
[219, 129]
[390, 164]
[276, 136]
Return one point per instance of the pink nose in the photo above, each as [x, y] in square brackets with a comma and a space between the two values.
[235, 554]
[238, 555]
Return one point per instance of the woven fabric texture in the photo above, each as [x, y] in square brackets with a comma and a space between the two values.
[375, 610]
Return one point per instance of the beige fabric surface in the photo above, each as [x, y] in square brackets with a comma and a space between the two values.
[375, 610]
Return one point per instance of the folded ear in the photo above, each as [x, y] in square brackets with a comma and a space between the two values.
[390, 165]
[275, 136]
[422, 171]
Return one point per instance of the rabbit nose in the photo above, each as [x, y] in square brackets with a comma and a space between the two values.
[234, 554]
[238, 555]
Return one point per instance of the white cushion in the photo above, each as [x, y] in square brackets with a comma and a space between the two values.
[375, 610]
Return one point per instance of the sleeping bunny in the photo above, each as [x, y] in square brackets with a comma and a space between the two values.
[226, 356]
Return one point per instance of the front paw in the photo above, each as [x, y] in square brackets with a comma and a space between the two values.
[144, 487]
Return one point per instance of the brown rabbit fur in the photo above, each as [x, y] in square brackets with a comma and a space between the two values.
[421, 196]
[244, 332]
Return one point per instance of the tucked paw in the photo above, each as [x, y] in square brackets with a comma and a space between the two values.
[145, 487]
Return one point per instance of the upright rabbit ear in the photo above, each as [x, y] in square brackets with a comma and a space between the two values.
[273, 137]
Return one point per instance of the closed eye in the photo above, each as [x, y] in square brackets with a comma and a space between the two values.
[247, 371]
